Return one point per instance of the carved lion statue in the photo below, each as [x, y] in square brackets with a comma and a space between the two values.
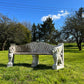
[57, 55]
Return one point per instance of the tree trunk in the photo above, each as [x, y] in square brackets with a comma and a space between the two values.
[79, 46]
[3, 45]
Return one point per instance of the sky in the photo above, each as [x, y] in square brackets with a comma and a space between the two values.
[37, 11]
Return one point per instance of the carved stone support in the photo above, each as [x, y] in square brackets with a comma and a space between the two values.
[11, 56]
[55, 61]
[35, 61]
[58, 56]
[11, 60]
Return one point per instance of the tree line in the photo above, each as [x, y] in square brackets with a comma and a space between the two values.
[20, 33]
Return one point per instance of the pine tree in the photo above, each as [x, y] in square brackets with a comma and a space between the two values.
[47, 30]
[34, 32]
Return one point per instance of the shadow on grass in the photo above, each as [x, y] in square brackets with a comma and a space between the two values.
[71, 47]
[71, 51]
[3, 65]
[22, 64]
[38, 67]
[42, 66]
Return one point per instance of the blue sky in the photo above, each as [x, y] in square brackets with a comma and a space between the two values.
[36, 11]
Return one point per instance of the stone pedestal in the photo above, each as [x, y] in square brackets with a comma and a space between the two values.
[35, 61]
[11, 60]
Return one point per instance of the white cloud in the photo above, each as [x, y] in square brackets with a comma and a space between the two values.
[61, 11]
[65, 13]
[55, 17]
[45, 17]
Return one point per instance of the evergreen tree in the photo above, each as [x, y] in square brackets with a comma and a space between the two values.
[47, 30]
[38, 32]
[34, 32]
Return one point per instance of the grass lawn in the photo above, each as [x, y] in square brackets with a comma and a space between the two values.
[22, 73]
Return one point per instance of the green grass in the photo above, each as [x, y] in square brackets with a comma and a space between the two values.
[22, 73]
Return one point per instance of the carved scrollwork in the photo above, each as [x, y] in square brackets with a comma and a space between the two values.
[55, 50]
[12, 49]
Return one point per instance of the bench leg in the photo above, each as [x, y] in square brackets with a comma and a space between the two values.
[35, 61]
[58, 62]
[11, 60]
[55, 62]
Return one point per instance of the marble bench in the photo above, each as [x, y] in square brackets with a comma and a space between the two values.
[35, 49]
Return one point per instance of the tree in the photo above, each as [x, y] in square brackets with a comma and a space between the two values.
[74, 28]
[34, 32]
[45, 32]
[27, 24]
[38, 32]
[48, 31]
[4, 31]
[11, 32]
[21, 34]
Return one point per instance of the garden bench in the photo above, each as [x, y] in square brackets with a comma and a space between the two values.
[35, 49]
